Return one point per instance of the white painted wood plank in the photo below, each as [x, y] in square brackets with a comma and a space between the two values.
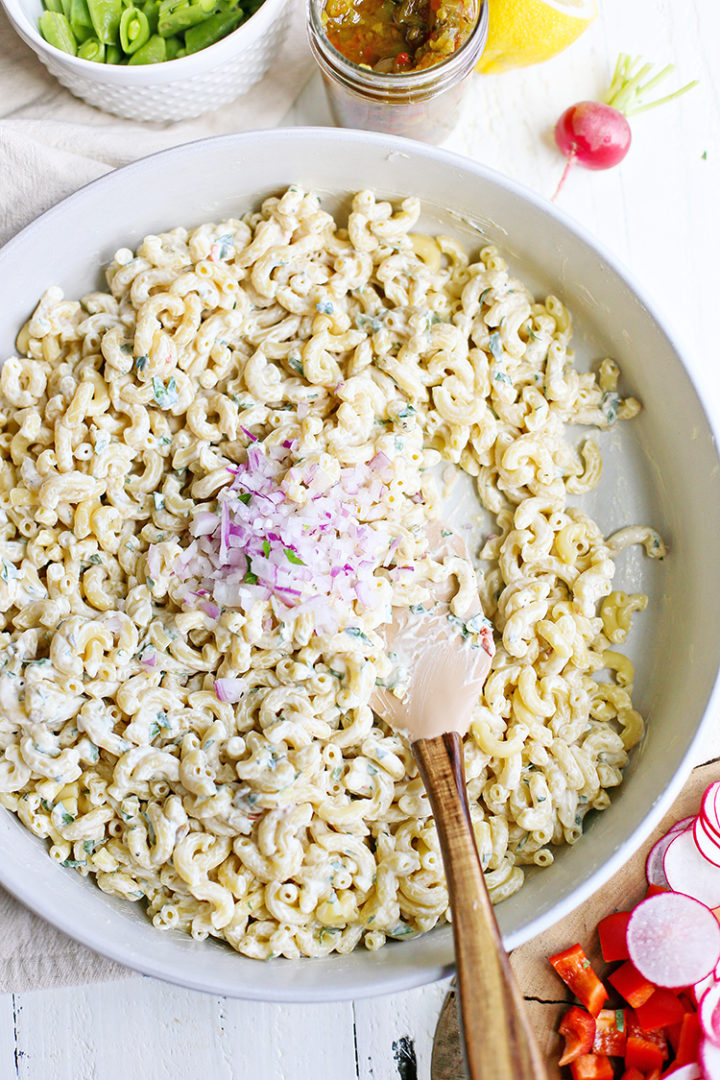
[287, 1042]
[139, 1028]
[116, 1030]
[395, 1033]
[7, 1036]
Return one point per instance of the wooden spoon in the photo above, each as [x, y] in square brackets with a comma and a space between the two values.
[444, 676]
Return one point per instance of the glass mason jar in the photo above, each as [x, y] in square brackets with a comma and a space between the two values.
[422, 105]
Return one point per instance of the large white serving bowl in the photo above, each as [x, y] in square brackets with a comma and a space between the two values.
[661, 469]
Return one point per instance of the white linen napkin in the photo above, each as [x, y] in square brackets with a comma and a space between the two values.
[52, 143]
[36, 956]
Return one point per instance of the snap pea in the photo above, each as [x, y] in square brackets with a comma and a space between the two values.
[174, 16]
[55, 28]
[80, 21]
[92, 49]
[134, 30]
[150, 10]
[105, 16]
[208, 32]
[174, 48]
[140, 31]
[152, 52]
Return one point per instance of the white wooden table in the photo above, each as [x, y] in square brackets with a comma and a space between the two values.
[659, 213]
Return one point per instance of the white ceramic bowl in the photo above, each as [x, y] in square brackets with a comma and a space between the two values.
[176, 89]
[660, 469]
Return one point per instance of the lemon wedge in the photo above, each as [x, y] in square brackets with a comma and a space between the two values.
[528, 31]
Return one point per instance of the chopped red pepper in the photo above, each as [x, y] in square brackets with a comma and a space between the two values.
[646, 1050]
[632, 1074]
[612, 931]
[576, 971]
[689, 1040]
[663, 1007]
[610, 1033]
[633, 986]
[578, 1029]
[591, 1067]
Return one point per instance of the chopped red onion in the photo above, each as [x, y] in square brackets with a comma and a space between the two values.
[230, 691]
[313, 555]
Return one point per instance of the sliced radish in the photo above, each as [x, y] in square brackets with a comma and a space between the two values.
[686, 1072]
[654, 871]
[708, 844]
[673, 940]
[712, 816]
[689, 872]
[709, 808]
[701, 988]
[709, 1060]
[709, 1013]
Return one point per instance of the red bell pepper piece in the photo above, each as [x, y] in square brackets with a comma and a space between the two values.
[612, 931]
[576, 971]
[610, 1033]
[689, 1040]
[661, 1008]
[646, 1050]
[633, 986]
[632, 1074]
[578, 1029]
[591, 1067]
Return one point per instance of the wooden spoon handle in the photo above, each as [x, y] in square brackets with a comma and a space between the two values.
[499, 1042]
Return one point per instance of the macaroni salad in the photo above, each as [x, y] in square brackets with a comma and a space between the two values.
[217, 480]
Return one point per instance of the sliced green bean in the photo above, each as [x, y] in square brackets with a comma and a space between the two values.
[105, 16]
[140, 32]
[212, 30]
[92, 49]
[152, 52]
[134, 30]
[150, 10]
[174, 16]
[55, 28]
[80, 15]
[173, 47]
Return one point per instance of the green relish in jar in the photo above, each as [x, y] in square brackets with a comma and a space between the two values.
[398, 36]
[397, 66]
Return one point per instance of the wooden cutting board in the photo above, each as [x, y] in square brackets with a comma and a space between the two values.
[546, 996]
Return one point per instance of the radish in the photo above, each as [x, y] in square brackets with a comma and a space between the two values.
[709, 807]
[709, 1013]
[709, 1060]
[700, 988]
[654, 864]
[686, 1072]
[596, 134]
[673, 940]
[707, 842]
[687, 871]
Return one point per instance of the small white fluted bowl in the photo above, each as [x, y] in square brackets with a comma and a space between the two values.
[661, 469]
[174, 90]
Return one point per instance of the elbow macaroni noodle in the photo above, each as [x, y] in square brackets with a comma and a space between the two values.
[293, 821]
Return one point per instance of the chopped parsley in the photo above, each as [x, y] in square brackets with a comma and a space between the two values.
[165, 396]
